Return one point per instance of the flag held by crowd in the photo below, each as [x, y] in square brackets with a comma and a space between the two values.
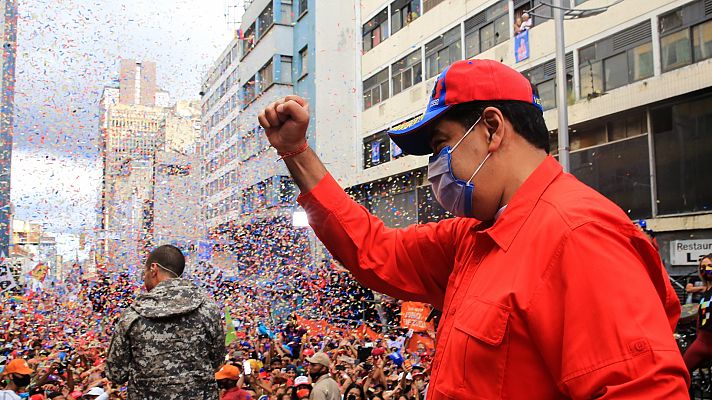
[414, 316]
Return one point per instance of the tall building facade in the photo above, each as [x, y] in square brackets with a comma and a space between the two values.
[639, 81]
[276, 52]
[132, 114]
[8, 35]
[175, 213]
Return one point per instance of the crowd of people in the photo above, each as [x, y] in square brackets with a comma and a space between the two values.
[54, 342]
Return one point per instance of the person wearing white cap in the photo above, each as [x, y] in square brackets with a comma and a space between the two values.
[96, 393]
[325, 387]
[302, 388]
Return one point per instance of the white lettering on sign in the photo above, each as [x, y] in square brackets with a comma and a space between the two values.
[689, 252]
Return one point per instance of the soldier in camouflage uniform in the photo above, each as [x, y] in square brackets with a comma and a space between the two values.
[169, 343]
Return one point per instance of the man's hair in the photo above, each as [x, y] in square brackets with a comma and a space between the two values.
[526, 119]
[169, 257]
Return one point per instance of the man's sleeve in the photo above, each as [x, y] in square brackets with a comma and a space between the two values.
[217, 336]
[411, 264]
[603, 318]
[119, 357]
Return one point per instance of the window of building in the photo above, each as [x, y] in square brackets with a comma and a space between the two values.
[248, 43]
[286, 14]
[611, 156]
[487, 29]
[265, 20]
[375, 89]
[617, 60]
[303, 6]
[682, 134]
[303, 61]
[403, 12]
[430, 4]
[541, 13]
[285, 69]
[248, 92]
[442, 51]
[686, 35]
[702, 41]
[376, 149]
[543, 78]
[407, 71]
[266, 76]
[375, 31]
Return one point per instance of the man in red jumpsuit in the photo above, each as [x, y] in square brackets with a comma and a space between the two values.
[547, 289]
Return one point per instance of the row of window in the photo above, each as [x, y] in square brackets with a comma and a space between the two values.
[222, 65]
[400, 200]
[272, 192]
[379, 148]
[627, 56]
[135, 125]
[254, 86]
[612, 155]
[220, 91]
[618, 60]
[264, 78]
[220, 137]
[265, 21]
[250, 37]
[249, 144]
[224, 110]
[482, 31]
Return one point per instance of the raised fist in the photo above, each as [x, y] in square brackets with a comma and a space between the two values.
[285, 122]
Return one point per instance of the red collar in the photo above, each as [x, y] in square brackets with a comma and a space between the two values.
[505, 229]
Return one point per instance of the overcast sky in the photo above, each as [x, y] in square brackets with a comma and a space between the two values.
[67, 51]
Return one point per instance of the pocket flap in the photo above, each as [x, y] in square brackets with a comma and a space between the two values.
[483, 320]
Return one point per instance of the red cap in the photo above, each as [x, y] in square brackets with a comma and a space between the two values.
[462, 82]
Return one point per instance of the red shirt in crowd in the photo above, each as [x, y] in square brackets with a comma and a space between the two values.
[561, 297]
[236, 393]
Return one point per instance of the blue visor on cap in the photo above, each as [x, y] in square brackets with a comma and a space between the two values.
[411, 135]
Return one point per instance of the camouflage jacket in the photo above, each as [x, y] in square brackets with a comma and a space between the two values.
[168, 344]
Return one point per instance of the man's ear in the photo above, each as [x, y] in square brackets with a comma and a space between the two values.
[494, 122]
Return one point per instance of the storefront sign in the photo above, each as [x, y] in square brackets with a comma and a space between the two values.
[689, 252]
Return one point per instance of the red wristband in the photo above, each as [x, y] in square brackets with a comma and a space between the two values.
[300, 150]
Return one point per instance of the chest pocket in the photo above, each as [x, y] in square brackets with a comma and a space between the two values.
[480, 346]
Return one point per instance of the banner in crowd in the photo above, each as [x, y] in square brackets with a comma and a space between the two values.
[365, 330]
[418, 338]
[414, 316]
[230, 335]
[7, 282]
[39, 272]
[314, 327]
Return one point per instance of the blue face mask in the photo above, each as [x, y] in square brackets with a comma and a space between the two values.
[455, 195]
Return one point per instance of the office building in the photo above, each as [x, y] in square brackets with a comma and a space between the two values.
[132, 112]
[639, 80]
[281, 48]
[8, 38]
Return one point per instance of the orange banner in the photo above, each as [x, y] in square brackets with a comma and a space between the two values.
[417, 338]
[365, 330]
[314, 327]
[414, 315]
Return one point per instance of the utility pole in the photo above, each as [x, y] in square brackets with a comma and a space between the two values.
[561, 100]
[561, 12]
